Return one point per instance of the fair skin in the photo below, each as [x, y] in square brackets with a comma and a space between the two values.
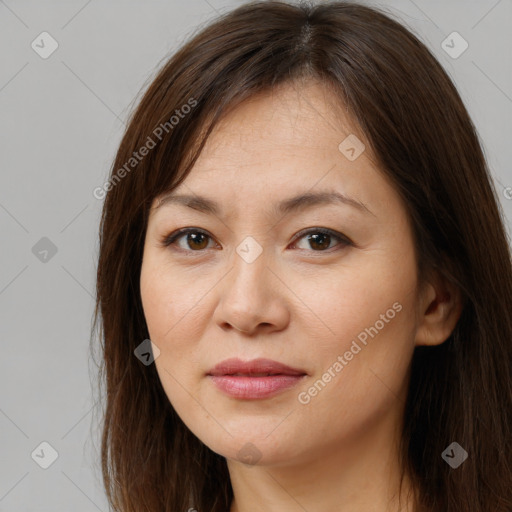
[299, 302]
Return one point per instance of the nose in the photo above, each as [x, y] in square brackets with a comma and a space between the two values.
[252, 298]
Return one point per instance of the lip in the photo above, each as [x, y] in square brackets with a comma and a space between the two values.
[244, 379]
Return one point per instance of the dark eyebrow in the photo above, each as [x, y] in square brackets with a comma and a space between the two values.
[292, 204]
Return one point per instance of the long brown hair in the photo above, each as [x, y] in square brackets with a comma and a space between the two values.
[417, 126]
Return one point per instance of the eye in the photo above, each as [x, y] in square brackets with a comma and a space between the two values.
[319, 239]
[195, 239]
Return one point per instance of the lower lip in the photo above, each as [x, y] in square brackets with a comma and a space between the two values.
[248, 388]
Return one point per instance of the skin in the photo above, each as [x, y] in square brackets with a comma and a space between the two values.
[298, 303]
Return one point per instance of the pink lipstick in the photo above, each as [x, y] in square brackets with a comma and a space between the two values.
[256, 379]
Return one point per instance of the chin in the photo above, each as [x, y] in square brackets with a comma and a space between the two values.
[251, 441]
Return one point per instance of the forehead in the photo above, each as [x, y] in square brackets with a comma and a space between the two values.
[287, 134]
[305, 115]
[275, 147]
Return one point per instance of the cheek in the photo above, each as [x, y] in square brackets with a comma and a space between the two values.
[368, 319]
[361, 378]
[169, 299]
[174, 309]
[350, 300]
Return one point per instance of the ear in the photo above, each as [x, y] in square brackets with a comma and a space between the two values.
[440, 307]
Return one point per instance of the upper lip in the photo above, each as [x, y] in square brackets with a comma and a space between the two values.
[255, 366]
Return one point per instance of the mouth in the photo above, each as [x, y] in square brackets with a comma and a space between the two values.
[256, 379]
[254, 374]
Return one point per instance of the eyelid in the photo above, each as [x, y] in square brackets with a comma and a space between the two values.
[169, 240]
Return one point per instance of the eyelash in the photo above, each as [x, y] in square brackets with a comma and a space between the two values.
[170, 239]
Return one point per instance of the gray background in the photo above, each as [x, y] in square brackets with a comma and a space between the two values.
[61, 120]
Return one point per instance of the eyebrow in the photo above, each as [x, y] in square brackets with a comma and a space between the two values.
[292, 204]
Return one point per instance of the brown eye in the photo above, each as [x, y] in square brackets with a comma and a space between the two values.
[320, 239]
[195, 240]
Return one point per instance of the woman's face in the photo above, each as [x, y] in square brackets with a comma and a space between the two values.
[261, 278]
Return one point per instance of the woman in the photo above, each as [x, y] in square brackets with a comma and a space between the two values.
[301, 220]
